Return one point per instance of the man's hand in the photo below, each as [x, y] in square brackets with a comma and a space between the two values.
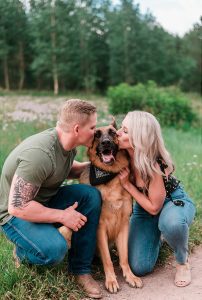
[72, 218]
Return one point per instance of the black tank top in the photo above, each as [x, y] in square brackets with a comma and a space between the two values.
[171, 182]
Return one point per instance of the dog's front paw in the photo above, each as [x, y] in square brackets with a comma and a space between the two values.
[133, 280]
[111, 284]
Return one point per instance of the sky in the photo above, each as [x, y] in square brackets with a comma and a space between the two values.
[175, 16]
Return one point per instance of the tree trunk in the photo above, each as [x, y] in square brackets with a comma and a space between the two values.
[21, 66]
[6, 74]
[84, 65]
[53, 44]
[127, 73]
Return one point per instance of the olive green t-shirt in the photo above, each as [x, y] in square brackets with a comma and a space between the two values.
[39, 160]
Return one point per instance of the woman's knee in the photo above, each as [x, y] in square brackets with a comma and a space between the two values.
[141, 268]
[141, 262]
[174, 227]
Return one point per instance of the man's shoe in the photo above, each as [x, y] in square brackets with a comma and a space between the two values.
[90, 286]
[16, 259]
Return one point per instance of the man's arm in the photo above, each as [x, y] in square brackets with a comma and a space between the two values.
[77, 169]
[22, 205]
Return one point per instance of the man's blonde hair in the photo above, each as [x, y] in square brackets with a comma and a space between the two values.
[146, 138]
[74, 111]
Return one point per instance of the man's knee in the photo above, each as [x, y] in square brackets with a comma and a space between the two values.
[92, 197]
[55, 253]
[95, 196]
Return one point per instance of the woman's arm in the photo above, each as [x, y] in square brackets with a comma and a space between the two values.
[156, 192]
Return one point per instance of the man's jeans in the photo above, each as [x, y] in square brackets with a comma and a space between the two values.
[145, 231]
[42, 244]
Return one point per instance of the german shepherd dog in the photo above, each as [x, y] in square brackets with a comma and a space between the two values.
[106, 162]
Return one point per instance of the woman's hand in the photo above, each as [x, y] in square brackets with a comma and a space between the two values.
[124, 177]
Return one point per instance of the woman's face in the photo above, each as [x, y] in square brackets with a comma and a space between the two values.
[123, 136]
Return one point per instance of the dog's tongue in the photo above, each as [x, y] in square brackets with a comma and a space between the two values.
[107, 158]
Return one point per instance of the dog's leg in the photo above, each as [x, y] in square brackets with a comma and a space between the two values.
[122, 247]
[111, 283]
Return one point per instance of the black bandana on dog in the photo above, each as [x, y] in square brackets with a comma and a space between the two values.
[98, 176]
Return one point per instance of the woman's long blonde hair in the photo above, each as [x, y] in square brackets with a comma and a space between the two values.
[146, 138]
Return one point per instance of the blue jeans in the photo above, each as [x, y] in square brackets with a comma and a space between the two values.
[42, 244]
[145, 231]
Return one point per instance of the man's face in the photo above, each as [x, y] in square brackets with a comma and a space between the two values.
[86, 132]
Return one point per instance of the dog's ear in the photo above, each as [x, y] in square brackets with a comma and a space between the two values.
[113, 123]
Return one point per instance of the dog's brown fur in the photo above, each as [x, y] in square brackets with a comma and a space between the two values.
[114, 219]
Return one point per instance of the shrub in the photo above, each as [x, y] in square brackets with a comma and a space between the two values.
[169, 105]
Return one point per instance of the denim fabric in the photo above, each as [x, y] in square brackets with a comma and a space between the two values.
[145, 231]
[42, 244]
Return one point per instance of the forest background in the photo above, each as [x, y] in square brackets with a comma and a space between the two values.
[120, 60]
[91, 44]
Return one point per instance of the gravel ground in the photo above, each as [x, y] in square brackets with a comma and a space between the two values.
[160, 284]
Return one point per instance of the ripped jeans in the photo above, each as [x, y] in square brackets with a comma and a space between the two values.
[145, 230]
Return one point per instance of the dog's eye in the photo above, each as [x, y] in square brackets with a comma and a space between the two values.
[98, 134]
[112, 132]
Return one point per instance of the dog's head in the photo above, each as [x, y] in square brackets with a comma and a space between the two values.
[104, 152]
[106, 144]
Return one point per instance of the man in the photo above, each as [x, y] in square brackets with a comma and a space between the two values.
[33, 202]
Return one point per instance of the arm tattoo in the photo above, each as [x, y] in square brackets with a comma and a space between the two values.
[23, 192]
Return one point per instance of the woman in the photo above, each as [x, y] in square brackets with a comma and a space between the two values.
[162, 206]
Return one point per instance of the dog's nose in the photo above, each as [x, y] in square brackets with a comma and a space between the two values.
[106, 142]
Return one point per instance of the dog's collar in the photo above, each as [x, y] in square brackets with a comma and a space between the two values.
[99, 176]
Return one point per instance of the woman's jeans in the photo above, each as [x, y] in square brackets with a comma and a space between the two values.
[145, 231]
[42, 244]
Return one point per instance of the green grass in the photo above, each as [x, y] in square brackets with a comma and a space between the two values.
[13, 134]
[31, 282]
[187, 155]
[43, 283]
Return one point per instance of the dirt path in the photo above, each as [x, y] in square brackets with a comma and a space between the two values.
[159, 285]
